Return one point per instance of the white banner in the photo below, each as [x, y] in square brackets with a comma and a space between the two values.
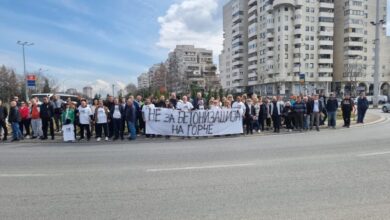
[200, 123]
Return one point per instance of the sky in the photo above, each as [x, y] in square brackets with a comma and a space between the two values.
[103, 42]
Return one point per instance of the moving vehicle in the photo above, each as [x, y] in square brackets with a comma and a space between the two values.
[386, 108]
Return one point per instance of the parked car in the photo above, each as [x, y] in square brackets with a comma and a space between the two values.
[386, 108]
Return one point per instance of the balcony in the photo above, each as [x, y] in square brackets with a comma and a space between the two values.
[354, 43]
[252, 18]
[326, 42]
[237, 62]
[325, 61]
[298, 41]
[252, 83]
[327, 5]
[326, 24]
[270, 53]
[297, 60]
[325, 69]
[325, 51]
[252, 67]
[296, 69]
[252, 74]
[297, 31]
[252, 2]
[268, 8]
[326, 14]
[270, 26]
[353, 52]
[270, 44]
[326, 33]
[270, 35]
[237, 55]
[324, 79]
[251, 59]
[283, 2]
[252, 9]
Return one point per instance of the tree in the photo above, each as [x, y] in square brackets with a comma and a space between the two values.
[46, 87]
[131, 89]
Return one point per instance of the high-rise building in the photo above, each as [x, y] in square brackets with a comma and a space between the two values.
[233, 60]
[71, 91]
[281, 41]
[355, 47]
[190, 67]
[143, 81]
[87, 91]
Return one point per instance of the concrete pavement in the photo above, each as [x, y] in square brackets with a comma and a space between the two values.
[332, 174]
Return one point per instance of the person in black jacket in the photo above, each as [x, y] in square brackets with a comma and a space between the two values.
[288, 115]
[250, 112]
[331, 107]
[347, 106]
[263, 113]
[117, 115]
[3, 117]
[14, 119]
[47, 113]
[362, 106]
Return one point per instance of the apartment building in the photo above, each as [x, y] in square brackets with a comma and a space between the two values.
[355, 47]
[191, 67]
[143, 81]
[285, 39]
[234, 57]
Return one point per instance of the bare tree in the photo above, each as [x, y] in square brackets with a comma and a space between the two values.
[131, 89]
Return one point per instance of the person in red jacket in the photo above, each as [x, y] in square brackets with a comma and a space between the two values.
[25, 123]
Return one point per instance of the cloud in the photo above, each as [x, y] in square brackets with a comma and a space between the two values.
[195, 22]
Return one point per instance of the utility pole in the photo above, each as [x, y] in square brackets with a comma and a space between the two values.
[23, 44]
[378, 23]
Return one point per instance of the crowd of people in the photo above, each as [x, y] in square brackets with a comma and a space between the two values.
[113, 118]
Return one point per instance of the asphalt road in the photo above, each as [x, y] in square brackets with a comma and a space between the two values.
[332, 174]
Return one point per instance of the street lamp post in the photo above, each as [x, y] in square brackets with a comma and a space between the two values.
[378, 23]
[23, 44]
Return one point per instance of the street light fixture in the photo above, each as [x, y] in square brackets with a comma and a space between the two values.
[25, 44]
[378, 24]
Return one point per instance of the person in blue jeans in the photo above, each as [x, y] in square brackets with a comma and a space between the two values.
[14, 119]
[130, 117]
[331, 107]
[362, 106]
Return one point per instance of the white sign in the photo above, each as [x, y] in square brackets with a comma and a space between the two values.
[200, 123]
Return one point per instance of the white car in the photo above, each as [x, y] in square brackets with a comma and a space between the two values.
[386, 108]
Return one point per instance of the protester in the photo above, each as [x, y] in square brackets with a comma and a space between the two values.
[255, 122]
[14, 119]
[300, 111]
[101, 116]
[131, 119]
[36, 121]
[263, 113]
[317, 107]
[250, 112]
[331, 106]
[199, 102]
[347, 106]
[57, 106]
[322, 99]
[362, 106]
[276, 112]
[109, 104]
[309, 111]
[25, 122]
[85, 117]
[288, 116]
[46, 112]
[185, 105]
[95, 104]
[173, 100]
[117, 117]
[3, 117]
[68, 118]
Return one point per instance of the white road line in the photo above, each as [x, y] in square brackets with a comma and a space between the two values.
[201, 168]
[28, 175]
[373, 154]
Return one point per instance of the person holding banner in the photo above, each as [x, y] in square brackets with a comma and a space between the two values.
[85, 115]
[185, 105]
[148, 105]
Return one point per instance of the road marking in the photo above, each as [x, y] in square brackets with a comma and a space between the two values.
[201, 168]
[373, 154]
[28, 175]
